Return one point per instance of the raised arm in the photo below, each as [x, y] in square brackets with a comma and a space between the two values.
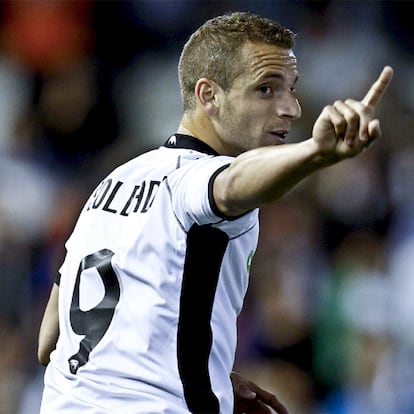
[342, 130]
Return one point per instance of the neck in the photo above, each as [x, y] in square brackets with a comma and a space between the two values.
[203, 129]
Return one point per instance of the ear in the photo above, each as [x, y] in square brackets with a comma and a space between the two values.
[206, 92]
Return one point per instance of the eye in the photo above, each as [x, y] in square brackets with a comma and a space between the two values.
[266, 90]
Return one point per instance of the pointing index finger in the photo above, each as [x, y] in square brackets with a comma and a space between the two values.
[376, 91]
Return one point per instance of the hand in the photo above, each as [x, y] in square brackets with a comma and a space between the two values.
[346, 128]
[249, 398]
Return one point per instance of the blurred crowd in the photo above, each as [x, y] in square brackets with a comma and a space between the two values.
[328, 323]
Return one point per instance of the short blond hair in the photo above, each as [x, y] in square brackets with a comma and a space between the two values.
[214, 49]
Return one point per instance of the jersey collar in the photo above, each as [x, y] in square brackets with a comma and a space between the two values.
[189, 142]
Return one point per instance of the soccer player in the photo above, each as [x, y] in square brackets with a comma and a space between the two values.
[142, 318]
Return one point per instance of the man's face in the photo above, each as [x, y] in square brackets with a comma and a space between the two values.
[261, 104]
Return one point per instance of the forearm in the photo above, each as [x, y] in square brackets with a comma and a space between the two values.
[262, 175]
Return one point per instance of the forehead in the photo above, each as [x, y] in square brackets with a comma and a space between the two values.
[260, 59]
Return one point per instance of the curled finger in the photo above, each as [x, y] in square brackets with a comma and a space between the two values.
[352, 122]
[374, 131]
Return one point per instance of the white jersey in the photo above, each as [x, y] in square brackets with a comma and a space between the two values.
[150, 291]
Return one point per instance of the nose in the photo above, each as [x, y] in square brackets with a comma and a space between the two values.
[289, 107]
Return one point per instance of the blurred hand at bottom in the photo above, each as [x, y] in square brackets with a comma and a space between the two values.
[249, 398]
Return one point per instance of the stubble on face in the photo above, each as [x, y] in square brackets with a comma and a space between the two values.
[245, 117]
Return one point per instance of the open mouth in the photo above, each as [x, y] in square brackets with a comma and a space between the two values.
[281, 135]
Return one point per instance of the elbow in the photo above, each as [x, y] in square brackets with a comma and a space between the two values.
[49, 329]
[44, 350]
[43, 356]
[228, 207]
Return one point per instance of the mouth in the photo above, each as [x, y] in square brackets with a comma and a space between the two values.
[281, 136]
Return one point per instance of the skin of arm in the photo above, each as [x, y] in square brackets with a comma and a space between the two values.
[49, 328]
[262, 175]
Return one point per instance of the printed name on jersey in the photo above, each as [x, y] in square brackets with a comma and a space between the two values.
[109, 197]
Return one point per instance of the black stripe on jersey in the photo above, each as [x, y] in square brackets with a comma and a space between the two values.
[213, 204]
[206, 246]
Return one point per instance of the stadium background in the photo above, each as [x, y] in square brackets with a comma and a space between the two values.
[328, 322]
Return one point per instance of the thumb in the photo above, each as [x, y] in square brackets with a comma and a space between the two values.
[374, 130]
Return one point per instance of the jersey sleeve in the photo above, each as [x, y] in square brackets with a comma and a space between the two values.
[191, 190]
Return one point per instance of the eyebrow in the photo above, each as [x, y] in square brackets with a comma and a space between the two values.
[276, 76]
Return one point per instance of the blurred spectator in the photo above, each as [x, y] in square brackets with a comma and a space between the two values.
[46, 36]
[352, 334]
[400, 256]
[352, 196]
[15, 84]
[73, 117]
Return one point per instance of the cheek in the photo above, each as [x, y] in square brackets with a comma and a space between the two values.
[242, 121]
[238, 124]
[242, 116]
